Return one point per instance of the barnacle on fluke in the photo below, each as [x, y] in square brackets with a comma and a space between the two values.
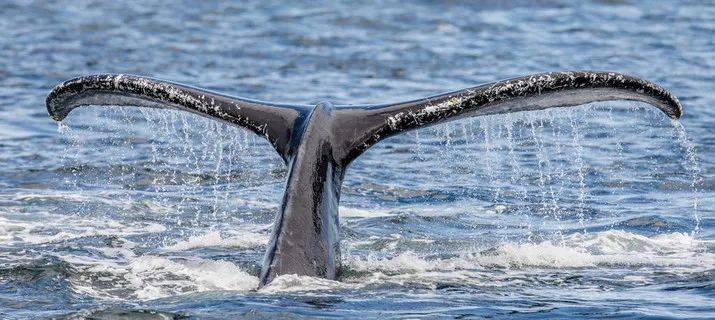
[319, 142]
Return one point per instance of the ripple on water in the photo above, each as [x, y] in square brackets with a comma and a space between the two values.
[599, 210]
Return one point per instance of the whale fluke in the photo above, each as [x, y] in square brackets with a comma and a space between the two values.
[533, 92]
[319, 142]
[269, 120]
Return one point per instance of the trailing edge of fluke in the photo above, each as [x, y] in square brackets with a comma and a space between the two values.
[318, 142]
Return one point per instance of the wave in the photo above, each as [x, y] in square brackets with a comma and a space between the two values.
[45, 228]
[347, 212]
[190, 275]
[152, 277]
[123, 269]
[296, 283]
[240, 239]
[602, 249]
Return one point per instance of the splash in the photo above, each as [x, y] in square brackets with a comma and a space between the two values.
[62, 127]
[198, 179]
[581, 250]
[294, 283]
[239, 239]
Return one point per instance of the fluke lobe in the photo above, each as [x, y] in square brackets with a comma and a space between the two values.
[319, 142]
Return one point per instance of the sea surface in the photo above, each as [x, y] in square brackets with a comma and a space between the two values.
[605, 210]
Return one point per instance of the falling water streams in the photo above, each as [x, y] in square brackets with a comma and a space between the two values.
[189, 158]
[690, 157]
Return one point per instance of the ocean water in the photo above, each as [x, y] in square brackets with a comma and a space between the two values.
[601, 210]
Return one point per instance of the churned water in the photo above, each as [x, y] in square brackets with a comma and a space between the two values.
[603, 210]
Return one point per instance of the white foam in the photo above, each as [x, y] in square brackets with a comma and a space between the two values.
[406, 261]
[50, 228]
[63, 195]
[602, 249]
[546, 255]
[156, 277]
[118, 272]
[346, 212]
[242, 239]
[293, 283]
[151, 277]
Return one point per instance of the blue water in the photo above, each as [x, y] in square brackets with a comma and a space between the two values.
[603, 210]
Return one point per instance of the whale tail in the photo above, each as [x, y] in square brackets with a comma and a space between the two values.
[375, 123]
[319, 142]
[272, 121]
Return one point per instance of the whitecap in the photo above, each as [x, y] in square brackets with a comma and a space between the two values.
[347, 212]
[240, 239]
[294, 283]
[602, 249]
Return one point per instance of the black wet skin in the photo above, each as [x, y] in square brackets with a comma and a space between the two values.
[319, 142]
